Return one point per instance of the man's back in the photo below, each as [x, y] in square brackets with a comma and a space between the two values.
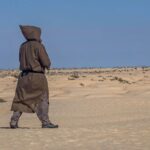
[32, 55]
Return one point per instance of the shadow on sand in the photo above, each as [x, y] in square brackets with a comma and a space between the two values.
[16, 128]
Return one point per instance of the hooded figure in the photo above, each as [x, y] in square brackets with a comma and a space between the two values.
[32, 88]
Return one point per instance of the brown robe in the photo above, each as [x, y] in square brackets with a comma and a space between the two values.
[33, 57]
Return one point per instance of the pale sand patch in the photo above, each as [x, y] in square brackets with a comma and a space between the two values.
[101, 115]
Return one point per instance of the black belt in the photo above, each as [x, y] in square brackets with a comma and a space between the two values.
[25, 72]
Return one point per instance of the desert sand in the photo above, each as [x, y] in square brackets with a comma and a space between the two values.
[96, 109]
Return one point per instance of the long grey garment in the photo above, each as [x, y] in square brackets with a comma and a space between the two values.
[41, 111]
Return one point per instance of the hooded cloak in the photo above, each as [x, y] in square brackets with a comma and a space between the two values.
[32, 84]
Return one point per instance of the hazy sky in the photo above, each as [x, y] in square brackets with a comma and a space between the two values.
[79, 33]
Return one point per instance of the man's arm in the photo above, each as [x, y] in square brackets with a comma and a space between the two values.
[44, 58]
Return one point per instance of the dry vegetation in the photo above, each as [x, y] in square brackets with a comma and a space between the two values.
[2, 100]
[120, 80]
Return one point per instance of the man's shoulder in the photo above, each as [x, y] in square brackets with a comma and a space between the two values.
[33, 43]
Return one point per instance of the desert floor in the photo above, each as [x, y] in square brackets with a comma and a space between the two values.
[96, 109]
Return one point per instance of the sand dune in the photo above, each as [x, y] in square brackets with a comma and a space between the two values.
[99, 109]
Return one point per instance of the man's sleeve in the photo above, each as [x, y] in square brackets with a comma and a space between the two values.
[44, 58]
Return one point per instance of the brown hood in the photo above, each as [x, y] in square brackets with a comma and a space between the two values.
[31, 32]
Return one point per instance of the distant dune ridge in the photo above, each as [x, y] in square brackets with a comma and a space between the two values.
[96, 108]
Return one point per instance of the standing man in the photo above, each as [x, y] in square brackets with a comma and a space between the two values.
[32, 94]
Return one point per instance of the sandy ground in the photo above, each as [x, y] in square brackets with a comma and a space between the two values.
[102, 109]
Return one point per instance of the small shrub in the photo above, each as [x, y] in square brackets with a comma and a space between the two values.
[120, 80]
[75, 75]
[101, 80]
[2, 100]
[83, 76]
[82, 84]
[70, 78]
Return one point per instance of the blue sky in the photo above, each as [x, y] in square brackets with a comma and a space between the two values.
[79, 33]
